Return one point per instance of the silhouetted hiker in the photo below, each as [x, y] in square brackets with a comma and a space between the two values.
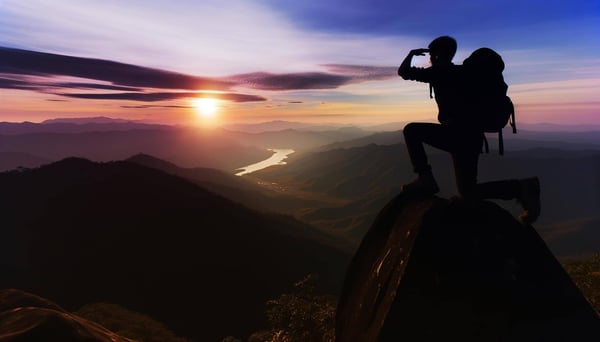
[458, 132]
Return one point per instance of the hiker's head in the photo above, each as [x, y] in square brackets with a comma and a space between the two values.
[442, 50]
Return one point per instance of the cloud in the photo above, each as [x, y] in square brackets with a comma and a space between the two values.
[361, 73]
[154, 106]
[291, 81]
[10, 83]
[338, 75]
[162, 96]
[79, 85]
[25, 62]
[235, 97]
[24, 83]
[38, 71]
[31, 66]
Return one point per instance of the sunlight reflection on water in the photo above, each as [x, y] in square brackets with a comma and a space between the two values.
[276, 159]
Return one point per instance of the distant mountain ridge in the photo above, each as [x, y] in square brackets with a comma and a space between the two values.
[87, 120]
[523, 140]
[105, 139]
[12, 160]
[82, 125]
[185, 146]
[282, 125]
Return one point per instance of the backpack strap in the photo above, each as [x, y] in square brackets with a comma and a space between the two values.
[513, 123]
[500, 143]
[485, 146]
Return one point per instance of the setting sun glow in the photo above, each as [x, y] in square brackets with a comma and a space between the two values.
[207, 107]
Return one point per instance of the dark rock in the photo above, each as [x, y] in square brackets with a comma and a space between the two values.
[434, 270]
[13, 298]
[26, 317]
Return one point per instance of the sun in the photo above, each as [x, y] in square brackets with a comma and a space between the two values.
[207, 107]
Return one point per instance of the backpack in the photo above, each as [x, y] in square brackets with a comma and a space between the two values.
[486, 91]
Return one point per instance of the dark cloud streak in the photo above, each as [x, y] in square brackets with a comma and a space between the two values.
[362, 73]
[154, 106]
[338, 75]
[77, 85]
[163, 96]
[9, 83]
[25, 62]
[292, 81]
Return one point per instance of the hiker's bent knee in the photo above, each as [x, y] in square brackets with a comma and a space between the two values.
[410, 129]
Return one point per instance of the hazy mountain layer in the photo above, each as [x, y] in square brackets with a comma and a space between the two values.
[364, 178]
[103, 139]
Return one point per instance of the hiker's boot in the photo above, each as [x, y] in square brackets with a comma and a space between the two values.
[529, 199]
[425, 185]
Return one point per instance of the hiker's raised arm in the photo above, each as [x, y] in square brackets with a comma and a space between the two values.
[404, 69]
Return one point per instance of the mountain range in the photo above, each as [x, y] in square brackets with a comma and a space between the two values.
[102, 139]
[171, 232]
[339, 175]
[366, 177]
[79, 232]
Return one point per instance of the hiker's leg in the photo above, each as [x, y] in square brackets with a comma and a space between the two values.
[415, 135]
[465, 170]
[526, 191]
[439, 136]
[465, 150]
[503, 189]
[454, 140]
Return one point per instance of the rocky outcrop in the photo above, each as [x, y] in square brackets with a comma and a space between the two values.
[26, 317]
[436, 270]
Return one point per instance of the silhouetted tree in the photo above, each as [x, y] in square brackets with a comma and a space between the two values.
[300, 316]
[586, 274]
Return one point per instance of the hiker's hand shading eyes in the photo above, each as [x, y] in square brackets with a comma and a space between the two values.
[419, 52]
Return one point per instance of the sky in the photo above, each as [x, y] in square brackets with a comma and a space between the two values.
[329, 61]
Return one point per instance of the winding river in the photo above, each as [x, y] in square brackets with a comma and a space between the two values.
[278, 157]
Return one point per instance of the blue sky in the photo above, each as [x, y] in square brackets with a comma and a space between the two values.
[300, 59]
[427, 17]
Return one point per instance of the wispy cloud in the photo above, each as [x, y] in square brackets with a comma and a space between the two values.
[338, 75]
[153, 106]
[80, 85]
[11, 83]
[38, 71]
[360, 73]
[164, 96]
[25, 62]
[292, 81]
